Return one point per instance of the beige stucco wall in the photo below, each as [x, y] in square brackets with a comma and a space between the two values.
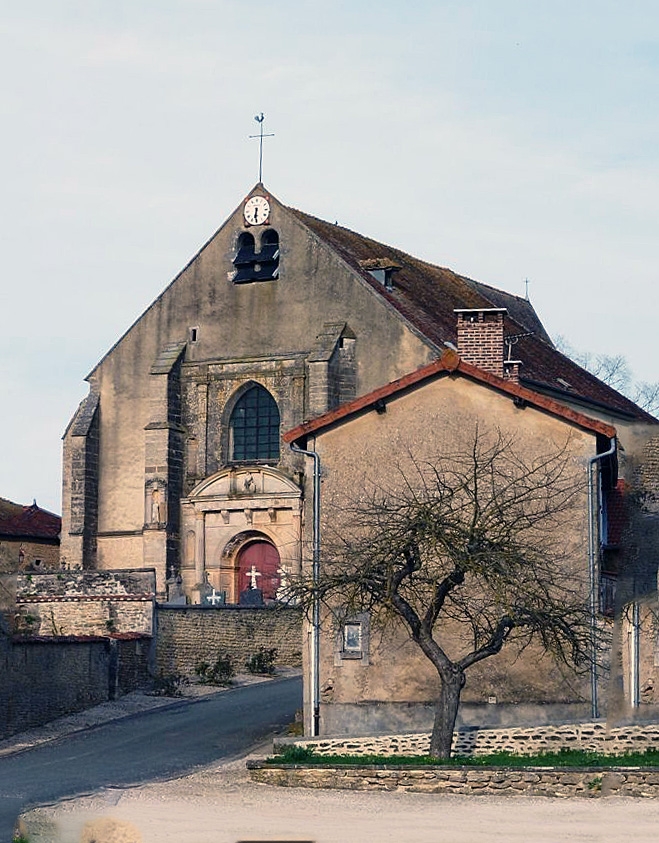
[237, 321]
[632, 434]
[640, 644]
[438, 418]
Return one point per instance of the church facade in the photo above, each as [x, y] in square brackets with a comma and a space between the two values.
[175, 461]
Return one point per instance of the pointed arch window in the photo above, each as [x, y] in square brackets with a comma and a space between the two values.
[254, 426]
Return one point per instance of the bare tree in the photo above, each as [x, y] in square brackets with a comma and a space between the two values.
[477, 541]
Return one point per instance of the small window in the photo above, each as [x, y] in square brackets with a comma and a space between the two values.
[352, 637]
[254, 426]
[194, 333]
[607, 595]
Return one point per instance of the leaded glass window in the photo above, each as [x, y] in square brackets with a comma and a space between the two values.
[255, 426]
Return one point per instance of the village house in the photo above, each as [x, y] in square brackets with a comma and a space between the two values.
[29, 538]
[372, 680]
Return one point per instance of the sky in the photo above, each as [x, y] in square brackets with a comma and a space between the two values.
[506, 140]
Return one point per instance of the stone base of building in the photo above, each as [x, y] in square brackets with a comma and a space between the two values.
[383, 718]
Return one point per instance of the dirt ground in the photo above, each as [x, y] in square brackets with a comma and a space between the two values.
[219, 804]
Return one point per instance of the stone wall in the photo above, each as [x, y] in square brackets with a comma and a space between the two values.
[46, 678]
[494, 781]
[85, 602]
[187, 635]
[589, 737]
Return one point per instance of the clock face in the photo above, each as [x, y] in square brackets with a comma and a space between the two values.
[256, 210]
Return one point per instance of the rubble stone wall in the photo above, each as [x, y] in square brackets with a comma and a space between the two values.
[85, 602]
[187, 635]
[589, 737]
[589, 783]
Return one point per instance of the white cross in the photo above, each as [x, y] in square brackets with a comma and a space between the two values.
[253, 574]
[282, 591]
[214, 597]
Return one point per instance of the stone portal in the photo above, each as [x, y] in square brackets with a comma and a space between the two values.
[242, 529]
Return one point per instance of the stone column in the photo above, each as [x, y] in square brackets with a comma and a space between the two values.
[200, 553]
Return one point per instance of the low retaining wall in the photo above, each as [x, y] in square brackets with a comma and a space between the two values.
[488, 781]
[187, 635]
[589, 737]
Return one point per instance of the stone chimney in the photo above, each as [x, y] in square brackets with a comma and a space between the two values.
[480, 337]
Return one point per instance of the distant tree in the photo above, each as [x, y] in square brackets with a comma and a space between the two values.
[475, 540]
[615, 371]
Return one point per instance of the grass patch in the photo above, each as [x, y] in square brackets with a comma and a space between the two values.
[563, 758]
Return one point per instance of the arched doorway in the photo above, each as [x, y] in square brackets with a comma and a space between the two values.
[258, 565]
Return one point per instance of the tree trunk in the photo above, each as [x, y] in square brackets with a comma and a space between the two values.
[446, 711]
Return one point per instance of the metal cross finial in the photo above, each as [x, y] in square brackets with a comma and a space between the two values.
[259, 119]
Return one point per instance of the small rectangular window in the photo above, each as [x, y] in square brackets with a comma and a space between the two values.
[352, 638]
[194, 334]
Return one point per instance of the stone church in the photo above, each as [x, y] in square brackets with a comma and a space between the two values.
[175, 461]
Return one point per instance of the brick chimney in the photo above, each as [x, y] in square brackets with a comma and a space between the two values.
[480, 337]
[511, 370]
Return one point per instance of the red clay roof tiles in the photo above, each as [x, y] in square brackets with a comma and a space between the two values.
[450, 362]
[28, 522]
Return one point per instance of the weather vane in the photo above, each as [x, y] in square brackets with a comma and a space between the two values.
[259, 119]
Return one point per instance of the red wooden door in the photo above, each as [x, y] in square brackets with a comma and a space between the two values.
[258, 564]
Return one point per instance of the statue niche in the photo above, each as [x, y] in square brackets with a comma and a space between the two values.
[155, 505]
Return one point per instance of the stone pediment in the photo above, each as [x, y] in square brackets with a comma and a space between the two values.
[239, 484]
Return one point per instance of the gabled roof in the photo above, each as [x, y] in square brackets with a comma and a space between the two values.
[28, 522]
[427, 295]
[449, 363]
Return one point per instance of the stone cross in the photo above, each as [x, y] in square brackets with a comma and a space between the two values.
[253, 574]
[214, 597]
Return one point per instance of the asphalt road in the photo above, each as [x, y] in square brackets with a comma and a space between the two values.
[146, 747]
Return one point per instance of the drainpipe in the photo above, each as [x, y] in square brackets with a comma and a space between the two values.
[315, 576]
[634, 653]
[592, 576]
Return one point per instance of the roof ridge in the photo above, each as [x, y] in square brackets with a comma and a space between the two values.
[450, 362]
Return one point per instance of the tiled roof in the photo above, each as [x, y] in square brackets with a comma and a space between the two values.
[427, 295]
[450, 363]
[28, 522]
